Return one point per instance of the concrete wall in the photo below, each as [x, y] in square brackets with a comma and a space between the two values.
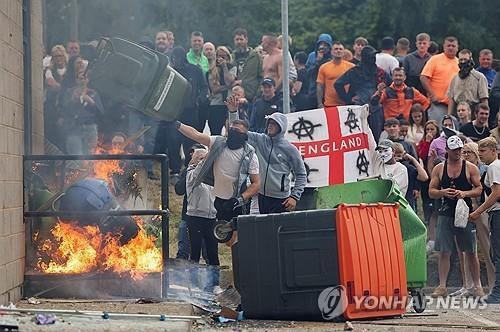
[12, 236]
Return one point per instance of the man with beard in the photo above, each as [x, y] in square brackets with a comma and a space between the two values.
[248, 64]
[168, 138]
[164, 42]
[468, 85]
[363, 80]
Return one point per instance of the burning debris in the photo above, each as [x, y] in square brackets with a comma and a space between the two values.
[77, 249]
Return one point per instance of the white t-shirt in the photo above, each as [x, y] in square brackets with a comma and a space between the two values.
[226, 168]
[396, 172]
[493, 177]
[387, 62]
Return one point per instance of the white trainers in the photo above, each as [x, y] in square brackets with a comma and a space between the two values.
[430, 246]
[461, 292]
[218, 290]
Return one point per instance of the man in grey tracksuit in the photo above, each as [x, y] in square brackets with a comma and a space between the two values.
[277, 159]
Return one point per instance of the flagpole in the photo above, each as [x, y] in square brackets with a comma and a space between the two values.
[286, 61]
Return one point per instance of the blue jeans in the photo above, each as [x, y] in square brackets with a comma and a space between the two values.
[183, 248]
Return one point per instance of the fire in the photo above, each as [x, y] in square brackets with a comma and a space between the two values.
[76, 249]
[105, 169]
[138, 255]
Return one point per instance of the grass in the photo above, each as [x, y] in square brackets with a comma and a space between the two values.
[175, 208]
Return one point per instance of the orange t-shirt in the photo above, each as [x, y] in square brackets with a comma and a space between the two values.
[440, 69]
[327, 75]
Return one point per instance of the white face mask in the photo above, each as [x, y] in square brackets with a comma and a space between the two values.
[385, 155]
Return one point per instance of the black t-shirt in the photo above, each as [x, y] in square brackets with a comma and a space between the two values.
[301, 100]
[474, 133]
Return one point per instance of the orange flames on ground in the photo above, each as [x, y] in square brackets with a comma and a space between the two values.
[76, 249]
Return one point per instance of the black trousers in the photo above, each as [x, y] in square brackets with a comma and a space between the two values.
[224, 214]
[200, 230]
[168, 140]
[271, 205]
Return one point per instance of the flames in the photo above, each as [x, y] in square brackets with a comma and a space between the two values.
[105, 169]
[76, 249]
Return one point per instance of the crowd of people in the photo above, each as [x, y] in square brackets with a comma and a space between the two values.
[433, 113]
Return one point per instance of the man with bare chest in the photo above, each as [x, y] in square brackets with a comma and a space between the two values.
[273, 62]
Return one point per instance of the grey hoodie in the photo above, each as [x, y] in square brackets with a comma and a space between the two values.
[277, 158]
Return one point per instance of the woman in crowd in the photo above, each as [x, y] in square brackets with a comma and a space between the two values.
[417, 120]
[221, 77]
[463, 113]
[201, 221]
[431, 130]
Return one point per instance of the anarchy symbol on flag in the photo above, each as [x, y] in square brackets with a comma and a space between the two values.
[335, 141]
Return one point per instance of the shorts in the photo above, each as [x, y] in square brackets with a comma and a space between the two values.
[446, 233]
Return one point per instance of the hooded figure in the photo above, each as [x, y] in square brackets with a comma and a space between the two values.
[363, 81]
[277, 159]
[324, 44]
[323, 39]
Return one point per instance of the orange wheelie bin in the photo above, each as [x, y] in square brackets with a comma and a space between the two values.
[371, 260]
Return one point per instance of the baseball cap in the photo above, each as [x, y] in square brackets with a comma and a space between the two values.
[269, 81]
[454, 142]
[385, 144]
[387, 43]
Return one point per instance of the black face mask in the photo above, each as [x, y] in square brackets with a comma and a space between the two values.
[465, 68]
[235, 139]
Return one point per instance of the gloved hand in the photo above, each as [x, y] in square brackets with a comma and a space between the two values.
[233, 203]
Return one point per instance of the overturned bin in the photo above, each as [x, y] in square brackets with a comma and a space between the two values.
[384, 191]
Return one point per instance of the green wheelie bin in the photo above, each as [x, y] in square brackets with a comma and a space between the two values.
[413, 229]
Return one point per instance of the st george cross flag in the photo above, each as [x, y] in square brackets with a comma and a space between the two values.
[335, 142]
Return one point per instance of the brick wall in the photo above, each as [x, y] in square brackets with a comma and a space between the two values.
[12, 235]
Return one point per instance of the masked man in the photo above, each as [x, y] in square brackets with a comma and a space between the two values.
[468, 85]
[227, 166]
[385, 165]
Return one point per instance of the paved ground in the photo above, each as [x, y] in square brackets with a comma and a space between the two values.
[96, 323]
[433, 319]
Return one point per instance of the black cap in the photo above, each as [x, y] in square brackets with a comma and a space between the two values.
[387, 43]
[268, 81]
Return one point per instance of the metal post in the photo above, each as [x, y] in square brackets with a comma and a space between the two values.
[164, 225]
[286, 60]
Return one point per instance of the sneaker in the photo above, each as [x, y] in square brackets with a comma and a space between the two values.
[439, 292]
[478, 292]
[462, 292]
[218, 290]
[174, 178]
[493, 298]
[430, 246]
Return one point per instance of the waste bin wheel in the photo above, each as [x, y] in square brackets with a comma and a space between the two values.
[223, 231]
[419, 302]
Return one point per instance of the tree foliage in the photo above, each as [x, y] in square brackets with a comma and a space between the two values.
[475, 23]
